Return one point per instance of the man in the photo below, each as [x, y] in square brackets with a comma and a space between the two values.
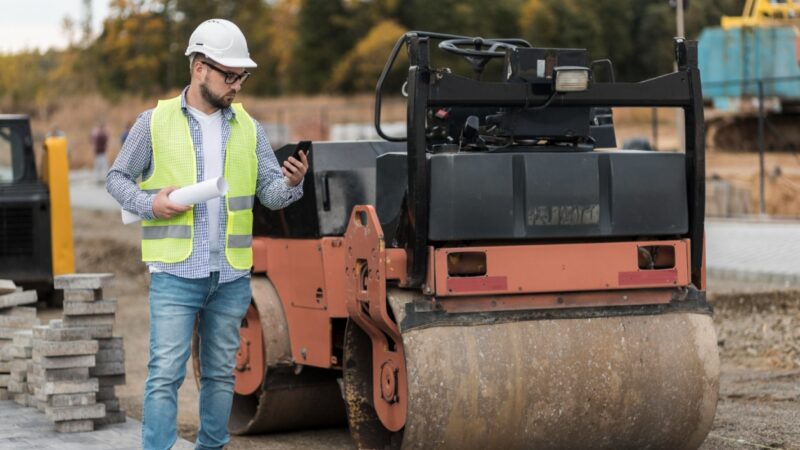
[99, 140]
[199, 257]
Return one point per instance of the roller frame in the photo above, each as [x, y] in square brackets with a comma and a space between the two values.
[365, 269]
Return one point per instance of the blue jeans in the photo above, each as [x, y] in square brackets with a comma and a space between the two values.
[174, 304]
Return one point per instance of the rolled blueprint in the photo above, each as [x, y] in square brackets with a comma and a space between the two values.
[189, 195]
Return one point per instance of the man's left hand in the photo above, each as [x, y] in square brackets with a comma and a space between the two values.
[295, 170]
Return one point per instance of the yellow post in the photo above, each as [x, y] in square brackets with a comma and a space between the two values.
[55, 173]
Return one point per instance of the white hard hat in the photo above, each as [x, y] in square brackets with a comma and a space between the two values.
[222, 41]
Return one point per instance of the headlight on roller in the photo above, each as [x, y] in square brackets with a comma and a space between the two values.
[571, 78]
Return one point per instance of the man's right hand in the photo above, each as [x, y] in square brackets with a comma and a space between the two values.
[164, 208]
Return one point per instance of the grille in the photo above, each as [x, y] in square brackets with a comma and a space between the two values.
[16, 231]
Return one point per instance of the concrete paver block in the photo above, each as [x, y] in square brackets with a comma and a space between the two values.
[89, 321]
[83, 281]
[64, 348]
[21, 311]
[19, 376]
[112, 417]
[112, 343]
[7, 334]
[66, 387]
[23, 338]
[82, 399]
[99, 307]
[106, 369]
[114, 380]
[74, 426]
[48, 333]
[71, 374]
[83, 295]
[7, 287]
[20, 352]
[18, 322]
[110, 355]
[111, 404]
[16, 386]
[5, 348]
[105, 393]
[95, 331]
[21, 399]
[101, 332]
[65, 362]
[17, 298]
[58, 414]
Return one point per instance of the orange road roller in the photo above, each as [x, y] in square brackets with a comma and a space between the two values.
[502, 276]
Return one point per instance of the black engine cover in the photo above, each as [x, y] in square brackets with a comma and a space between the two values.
[557, 195]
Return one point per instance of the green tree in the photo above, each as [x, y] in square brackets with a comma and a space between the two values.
[635, 34]
[359, 70]
[131, 53]
[485, 18]
[323, 38]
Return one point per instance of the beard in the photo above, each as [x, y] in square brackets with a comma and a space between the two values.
[217, 101]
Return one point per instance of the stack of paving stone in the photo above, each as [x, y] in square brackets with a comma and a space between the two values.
[21, 350]
[5, 372]
[62, 387]
[110, 372]
[13, 317]
[86, 308]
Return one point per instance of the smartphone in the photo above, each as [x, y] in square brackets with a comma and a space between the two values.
[304, 146]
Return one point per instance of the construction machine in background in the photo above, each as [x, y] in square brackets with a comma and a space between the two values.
[751, 66]
[35, 217]
[501, 277]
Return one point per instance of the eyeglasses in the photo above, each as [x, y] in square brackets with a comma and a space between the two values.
[230, 77]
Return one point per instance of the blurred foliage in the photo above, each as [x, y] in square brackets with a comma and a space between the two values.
[356, 72]
[336, 46]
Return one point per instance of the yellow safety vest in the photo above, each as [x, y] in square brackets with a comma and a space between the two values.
[174, 164]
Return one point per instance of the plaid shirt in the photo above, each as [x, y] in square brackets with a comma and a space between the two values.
[134, 160]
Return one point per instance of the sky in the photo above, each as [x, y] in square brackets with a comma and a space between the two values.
[26, 24]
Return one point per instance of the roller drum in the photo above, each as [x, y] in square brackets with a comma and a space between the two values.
[635, 382]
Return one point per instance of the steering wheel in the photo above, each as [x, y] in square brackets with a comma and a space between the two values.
[481, 48]
[481, 51]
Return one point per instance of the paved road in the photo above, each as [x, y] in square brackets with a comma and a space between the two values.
[88, 193]
[27, 428]
[751, 250]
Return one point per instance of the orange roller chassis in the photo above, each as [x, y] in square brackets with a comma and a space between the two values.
[562, 268]
[365, 269]
[333, 278]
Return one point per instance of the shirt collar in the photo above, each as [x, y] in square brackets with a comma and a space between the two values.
[227, 113]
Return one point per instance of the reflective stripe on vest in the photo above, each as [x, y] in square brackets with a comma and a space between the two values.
[240, 203]
[167, 231]
[240, 240]
[174, 164]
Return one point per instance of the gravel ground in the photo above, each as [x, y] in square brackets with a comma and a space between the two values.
[758, 328]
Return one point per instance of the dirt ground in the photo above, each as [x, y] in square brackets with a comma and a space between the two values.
[758, 330]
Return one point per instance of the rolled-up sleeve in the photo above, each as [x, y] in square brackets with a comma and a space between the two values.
[271, 187]
[133, 162]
